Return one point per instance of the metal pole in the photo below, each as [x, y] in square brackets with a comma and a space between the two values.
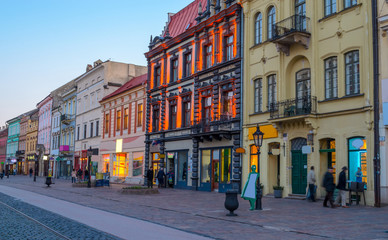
[89, 170]
[259, 193]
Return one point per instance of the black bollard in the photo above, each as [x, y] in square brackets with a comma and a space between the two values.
[231, 202]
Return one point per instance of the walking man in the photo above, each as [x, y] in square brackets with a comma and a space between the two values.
[311, 181]
[31, 172]
[328, 184]
[150, 177]
[342, 188]
[160, 177]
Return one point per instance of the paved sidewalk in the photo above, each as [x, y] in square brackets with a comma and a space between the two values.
[204, 213]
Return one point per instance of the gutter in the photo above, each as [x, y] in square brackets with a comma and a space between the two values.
[242, 91]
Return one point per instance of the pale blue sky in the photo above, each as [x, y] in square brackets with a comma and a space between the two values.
[46, 43]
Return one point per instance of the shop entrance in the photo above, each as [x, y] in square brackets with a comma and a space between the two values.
[177, 160]
[299, 166]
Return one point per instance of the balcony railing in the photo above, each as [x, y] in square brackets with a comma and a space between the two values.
[221, 122]
[66, 118]
[293, 107]
[296, 23]
[64, 148]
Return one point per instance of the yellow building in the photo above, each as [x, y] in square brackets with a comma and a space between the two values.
[308, 83]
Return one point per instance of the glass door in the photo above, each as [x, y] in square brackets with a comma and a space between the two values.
[215, 170]
[300, 15]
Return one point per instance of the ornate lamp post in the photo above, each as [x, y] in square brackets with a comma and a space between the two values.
[258, 139]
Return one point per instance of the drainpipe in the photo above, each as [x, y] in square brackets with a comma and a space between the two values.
[242, 90]
[376, 103]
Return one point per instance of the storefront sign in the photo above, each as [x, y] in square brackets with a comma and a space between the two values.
[119, 145]
[240, 150]
[268, 130]
[306, 149]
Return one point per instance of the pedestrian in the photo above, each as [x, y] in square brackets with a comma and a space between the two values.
[150, 177]
[86, 176]
[359, 175]
[171, 178]
[341, 186]
[311, 182]
[160, 176]
[79, 174]
[73, 176]
[328, 184]
[14, 171]
[31, 172]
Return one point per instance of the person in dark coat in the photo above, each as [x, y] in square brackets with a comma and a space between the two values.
[341, 186]
[328, 184]
[86, 176]
[31, 172]
[150, 177]
[171, 178]
[160, 176]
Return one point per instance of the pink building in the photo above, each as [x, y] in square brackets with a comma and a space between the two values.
[44, 132]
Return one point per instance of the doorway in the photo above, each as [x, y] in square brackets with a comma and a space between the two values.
[299, 166]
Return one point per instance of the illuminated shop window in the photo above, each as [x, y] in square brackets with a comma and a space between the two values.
[137, 164]
[253, 158]
[120, 165]
[357, 149]
[105, 166]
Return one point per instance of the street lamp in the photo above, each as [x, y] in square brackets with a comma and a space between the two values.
[258, 139]
[90, 152]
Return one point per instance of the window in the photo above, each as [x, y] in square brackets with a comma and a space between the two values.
[271, 22]
[258, 95]
[174, 70]
[186, 111]
[226, 101]
[300, 12]
[207, 108]
[330, 7]
[97, 126]
[120, 165]
[126, 115]
[349, 3]
[258, 29]
[209, 56]
[91, 129]
[331, 78]
[229, 48]
[357, 150]
[140, 115]
[352, 73]
[187, 69]
[157, 77]
[107, 123]
[172, 113]
[84, 131]
[118, 120]
[155, 118]
[271, 91]
[78, 132]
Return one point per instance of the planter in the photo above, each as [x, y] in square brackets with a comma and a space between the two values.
[231, 202]
[278, 193]
[139, 191]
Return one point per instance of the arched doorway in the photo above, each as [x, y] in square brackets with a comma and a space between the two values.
[299, 166]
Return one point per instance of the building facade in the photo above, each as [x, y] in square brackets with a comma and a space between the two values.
[308, 85]
[55, 139]
[193, 97]
[3, 147]
[44, 134]
[98, 81]
[383, 60]
[12, 144]
[31, 141]
[123, 132]
[21, 155]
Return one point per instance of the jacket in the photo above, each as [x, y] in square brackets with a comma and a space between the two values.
[150, 175]
[311, 177]
[342, 181]
[160, 175]
[328, 182]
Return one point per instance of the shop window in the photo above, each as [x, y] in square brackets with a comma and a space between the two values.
[357, 149]
[118, 120]
[258, 95]
[174, 70]
[271, 22]
[137, 164]
[186, 111]
[254, 158]
[330, 7]
[331, 78]
[352, 73]
[157, 77]
[182, 165]
[226, 155]
[259, 29]
[126, 116]
[349, 3]
[229, 48]
[140, 115]
[107, 123]
[209, 56]
[120, 165]
[206, 167]
[187, 65]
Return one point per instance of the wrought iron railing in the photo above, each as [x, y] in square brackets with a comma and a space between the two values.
[65, 118]
[220, 122]
[295, 23]
[293, 107]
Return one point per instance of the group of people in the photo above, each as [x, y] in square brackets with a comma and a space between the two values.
[329, 185]
[76, 176]
[161, 177]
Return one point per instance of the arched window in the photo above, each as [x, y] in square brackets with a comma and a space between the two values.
[271, 22]
[258, 29]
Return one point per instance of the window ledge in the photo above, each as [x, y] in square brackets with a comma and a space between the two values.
[344, 97]
[258, 113]
[348, 9]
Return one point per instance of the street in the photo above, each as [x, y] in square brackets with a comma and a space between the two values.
[105, 213]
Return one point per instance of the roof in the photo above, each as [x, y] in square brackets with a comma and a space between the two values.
[134, 82]
[185, 18]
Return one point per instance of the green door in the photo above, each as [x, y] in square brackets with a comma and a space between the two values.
[299, 172]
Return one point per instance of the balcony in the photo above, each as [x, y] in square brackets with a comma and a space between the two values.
[66, 119]
[293, 107]
[292, 30]
[218, 128]
[64, 148]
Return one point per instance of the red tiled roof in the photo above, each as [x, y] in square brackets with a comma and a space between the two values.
[134, 82]
[185, 18]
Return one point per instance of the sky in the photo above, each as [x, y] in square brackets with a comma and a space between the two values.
[47, 43]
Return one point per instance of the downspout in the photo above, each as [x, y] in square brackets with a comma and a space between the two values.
[242, 90]
[376, 103]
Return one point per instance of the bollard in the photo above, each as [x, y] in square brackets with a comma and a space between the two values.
[231, 202]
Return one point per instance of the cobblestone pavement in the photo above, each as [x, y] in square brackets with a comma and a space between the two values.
[14, 225]
[204, 213]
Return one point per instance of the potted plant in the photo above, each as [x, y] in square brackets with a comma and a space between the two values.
[278, 191]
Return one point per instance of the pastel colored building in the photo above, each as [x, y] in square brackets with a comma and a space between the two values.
[32, 140]
[44, 134]
[12, 144]
[122, 143]
[21, 153]
[3, 147]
